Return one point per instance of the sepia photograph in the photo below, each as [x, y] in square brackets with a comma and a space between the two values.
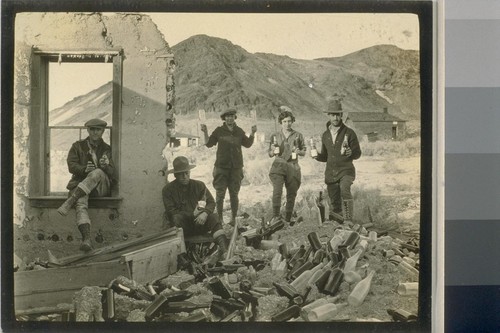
[223, 166]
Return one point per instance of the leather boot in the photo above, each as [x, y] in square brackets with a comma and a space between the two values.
[70, 202]
[86, 245]
[222, 243]
[348, 206]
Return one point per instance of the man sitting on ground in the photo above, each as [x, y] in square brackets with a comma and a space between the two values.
[189, 205]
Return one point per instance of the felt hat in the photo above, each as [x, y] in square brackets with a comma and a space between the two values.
[96, 123]
[226, 112]
[334, 106]
[180, 164]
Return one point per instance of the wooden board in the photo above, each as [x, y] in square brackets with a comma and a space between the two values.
[153, 262]
[51, 286]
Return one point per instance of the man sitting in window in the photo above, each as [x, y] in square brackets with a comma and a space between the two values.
[190, 205]
[90, 163]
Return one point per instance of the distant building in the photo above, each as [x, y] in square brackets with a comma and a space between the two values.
[184, 140]
[378, 125]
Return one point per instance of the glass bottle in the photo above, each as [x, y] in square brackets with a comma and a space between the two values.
[314, 151]
[350, 263]
[325, 312]
[294, 154]
[345, 144]
[358, 294]
[276, 147]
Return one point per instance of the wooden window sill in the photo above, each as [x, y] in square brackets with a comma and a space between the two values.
[56, 201]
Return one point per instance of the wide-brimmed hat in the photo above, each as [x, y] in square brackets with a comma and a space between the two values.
[96, 123]
[226, 112]
[334, 106]
[180, 164]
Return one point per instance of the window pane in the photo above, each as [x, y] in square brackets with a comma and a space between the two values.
[60, 143]
[79, 92]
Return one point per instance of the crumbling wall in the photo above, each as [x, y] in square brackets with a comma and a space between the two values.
[147, 88]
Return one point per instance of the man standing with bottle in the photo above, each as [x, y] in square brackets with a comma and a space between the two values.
[228, 168]
[89, 161]
[339, 147]
[190, 205]
[285, 146]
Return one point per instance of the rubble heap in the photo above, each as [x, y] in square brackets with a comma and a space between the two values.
[326, 273]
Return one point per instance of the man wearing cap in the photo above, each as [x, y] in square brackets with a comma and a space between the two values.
[228, 168]
[285, 146]
[189, 205]
[340, 146]
[93, 172]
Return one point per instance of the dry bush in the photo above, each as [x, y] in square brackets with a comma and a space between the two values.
[391, 149]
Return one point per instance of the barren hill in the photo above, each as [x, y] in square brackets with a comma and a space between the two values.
[213, 74]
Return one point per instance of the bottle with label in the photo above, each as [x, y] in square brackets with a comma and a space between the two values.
[345, 144]
[294, 147]
[276, 147]
[359, 292]
[200, 207]
[314, 151]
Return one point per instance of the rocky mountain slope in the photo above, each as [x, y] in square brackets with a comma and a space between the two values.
[214, 74]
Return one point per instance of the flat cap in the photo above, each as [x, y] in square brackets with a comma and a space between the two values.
[226, 112]
[96, 123]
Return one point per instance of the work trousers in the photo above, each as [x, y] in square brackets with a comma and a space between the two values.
[186, 221]
[338, 191]
[227, 179]
[291, 180]
[95, 184]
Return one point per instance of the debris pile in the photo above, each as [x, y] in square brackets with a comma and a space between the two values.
[304, 272]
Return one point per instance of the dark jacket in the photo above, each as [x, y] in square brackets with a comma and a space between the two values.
[338, 165]
[79, 155]
[279, 165]
[178, 198]
[229, 153]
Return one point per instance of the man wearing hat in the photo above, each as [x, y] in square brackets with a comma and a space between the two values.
[189, 205]
[93, 172]
[340, 146]
[228, 168]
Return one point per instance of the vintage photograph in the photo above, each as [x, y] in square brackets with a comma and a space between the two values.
[218, 167]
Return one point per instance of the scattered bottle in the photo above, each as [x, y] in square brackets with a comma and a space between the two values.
[289, 313]
[360, 291]
[321, 207]
[325, 312]
[350, 263]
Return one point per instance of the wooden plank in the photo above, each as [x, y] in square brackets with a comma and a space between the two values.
[154, 262]
[52, 286]
[118, 253]
[115, 247]
[28, 303]
[62, 278]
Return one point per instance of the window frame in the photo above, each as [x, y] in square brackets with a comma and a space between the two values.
[39, 187]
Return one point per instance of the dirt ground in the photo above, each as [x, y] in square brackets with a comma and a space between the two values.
[400, 195]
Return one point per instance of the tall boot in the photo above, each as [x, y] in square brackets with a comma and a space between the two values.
[70, 202]
[222, 243]
[288, 216]
[86, 245]
[348, 206]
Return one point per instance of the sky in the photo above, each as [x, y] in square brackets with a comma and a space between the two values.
[300, 36]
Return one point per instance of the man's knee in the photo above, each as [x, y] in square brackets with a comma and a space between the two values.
[97, 174]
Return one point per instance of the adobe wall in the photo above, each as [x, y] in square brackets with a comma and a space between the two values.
[145, 77]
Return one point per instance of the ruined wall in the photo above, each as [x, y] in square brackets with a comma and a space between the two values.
[146, 75]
